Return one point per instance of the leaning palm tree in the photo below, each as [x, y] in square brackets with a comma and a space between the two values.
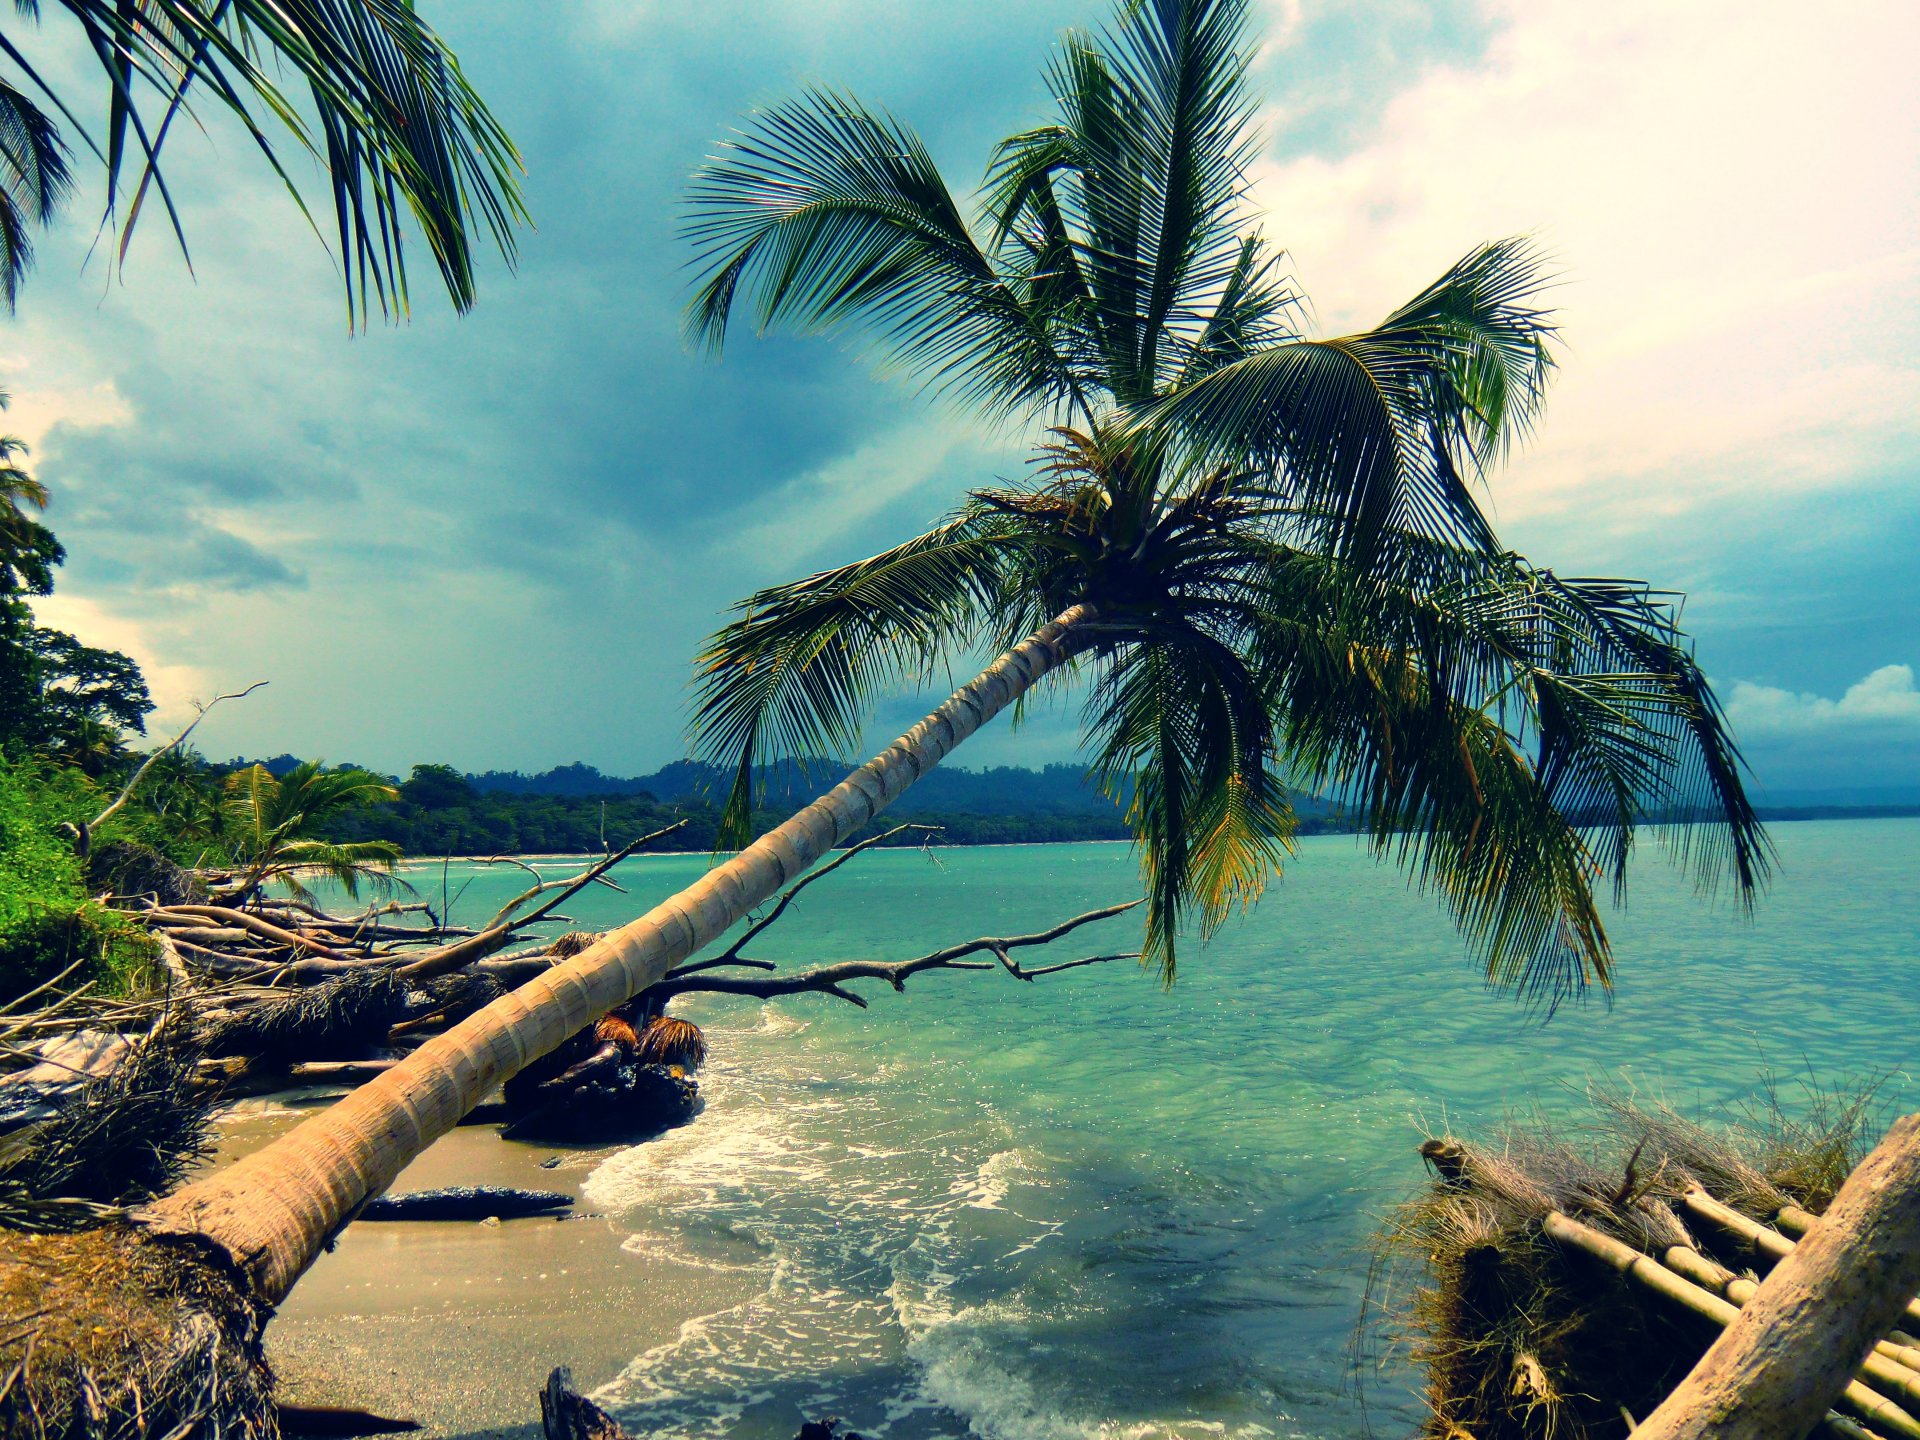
[386, 111]
[1258, 553]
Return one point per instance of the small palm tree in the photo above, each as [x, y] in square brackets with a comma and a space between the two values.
[1260, 553]
[397, 127]
[277, 827]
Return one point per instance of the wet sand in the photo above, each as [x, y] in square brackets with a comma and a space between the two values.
[457, 1324]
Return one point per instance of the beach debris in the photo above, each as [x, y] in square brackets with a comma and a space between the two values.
[116, 1139]
[1559, 1287]
[566, 1414]
[827, 1429]
[666, 1040]
[338, 1422]
[467, 1202]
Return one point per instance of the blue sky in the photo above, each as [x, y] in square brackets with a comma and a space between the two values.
[497, 540]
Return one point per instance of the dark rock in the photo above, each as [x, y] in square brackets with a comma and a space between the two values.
[619, 1103]
[467, 1202]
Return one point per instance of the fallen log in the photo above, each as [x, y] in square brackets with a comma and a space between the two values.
[264, 929]
[1703, 1270]
[338, 1422]
[468, 1202]
[1876, 1409]
[1818, 1312]
[336, 1072]
[1763, 1240]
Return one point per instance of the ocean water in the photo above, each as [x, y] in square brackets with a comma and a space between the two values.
[1094, 1207]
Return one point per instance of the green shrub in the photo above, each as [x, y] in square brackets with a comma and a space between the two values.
[47, 921]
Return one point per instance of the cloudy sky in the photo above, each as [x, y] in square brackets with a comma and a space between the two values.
[497, 540]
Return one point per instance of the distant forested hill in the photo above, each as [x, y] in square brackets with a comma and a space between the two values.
[575, 808]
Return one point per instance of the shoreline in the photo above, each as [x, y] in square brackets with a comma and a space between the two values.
[456, 1324]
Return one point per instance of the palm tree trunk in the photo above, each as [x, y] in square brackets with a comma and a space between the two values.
[273, 1211]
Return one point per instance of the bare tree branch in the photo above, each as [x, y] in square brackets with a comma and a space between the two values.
[732, 952]
[83, 842]
[831, 979]
[501, 929]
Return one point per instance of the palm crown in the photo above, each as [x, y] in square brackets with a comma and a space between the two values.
[1283, 578]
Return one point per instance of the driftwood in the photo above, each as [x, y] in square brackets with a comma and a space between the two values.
[566, 1414]
[697, 975]
[1525, 1337]
[1816, 1317]
[83, 833]
[467, 1202]
[338, 1422]
[1883, 1411]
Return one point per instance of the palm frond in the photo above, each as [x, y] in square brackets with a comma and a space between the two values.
[1385, 429]
[402, 134]
[1180, 725]
[348, 864]
[822, 213]
[34, 181]
[795, 676]
[1505, 733]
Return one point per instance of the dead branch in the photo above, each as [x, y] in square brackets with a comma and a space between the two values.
[831, 979]
[83, 839]
[500, 930]
[732, 953]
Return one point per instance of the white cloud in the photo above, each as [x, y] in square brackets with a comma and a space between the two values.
[810, 514]
[1732, 191]
[1886, 698]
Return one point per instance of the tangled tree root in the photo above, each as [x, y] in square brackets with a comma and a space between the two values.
[1521, 1339]
[119, 1139]
[115, 1334]
[338, 1020]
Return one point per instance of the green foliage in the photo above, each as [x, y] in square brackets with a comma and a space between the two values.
[280, 828]
[1285, 578]
[58, 697]
[47, 920]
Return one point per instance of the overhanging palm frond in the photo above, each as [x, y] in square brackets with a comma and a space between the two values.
[402, 133]
[1384, 429]
[34, 181]
[823, 212]
[796, 675]
[1505, 733]
[1180, 724]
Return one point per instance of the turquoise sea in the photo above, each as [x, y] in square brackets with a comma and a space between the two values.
[1092, 1206]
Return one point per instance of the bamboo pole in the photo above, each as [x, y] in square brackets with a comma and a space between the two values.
[1869, 1406]
[1763, 1238]
[1703, 1270]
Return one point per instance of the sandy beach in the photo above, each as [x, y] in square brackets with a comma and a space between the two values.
[456, 1325]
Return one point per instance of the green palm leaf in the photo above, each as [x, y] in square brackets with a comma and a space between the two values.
[826, 212]
[402, 134]
[1384, 429]
[796, 675]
